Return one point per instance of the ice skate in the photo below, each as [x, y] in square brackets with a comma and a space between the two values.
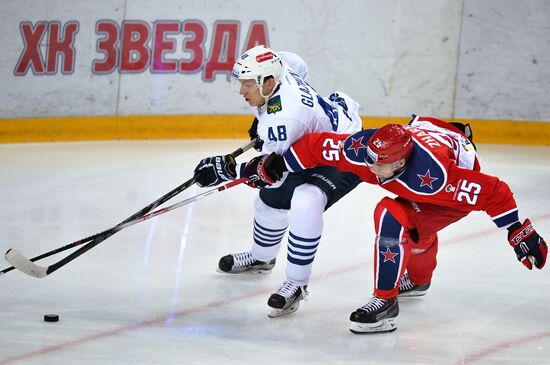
[409, 289]
[286, 299]
[377, 316]
[243, 262]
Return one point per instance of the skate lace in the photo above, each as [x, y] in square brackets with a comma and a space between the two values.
[374, 304]
[288, 289]
[405, 283]
[243, 259]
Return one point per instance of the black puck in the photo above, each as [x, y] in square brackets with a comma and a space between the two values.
[51, 318]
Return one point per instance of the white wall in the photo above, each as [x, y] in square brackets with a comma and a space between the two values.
[486, 59]
[504, 67]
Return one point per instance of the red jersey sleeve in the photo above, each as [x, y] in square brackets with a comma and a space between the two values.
[344, 151]
[474, 190]
[316, 149]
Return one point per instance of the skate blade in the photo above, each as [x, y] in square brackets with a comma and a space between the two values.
[246, 272]
[412, 294]
[274, 313]
[384, 326]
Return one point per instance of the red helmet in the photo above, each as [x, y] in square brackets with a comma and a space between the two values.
[390, 143]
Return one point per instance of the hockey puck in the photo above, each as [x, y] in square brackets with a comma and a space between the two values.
[51, 318]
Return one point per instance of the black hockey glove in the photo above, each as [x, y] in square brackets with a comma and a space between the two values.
[253, 133]
[267, 169]
[530, 248]
[214, 170]
[466, 129]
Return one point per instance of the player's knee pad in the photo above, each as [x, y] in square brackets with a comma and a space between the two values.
[263, 213]
[308, 199]
[388, 218]
[425, 244]
[306, 214]
[394, 208]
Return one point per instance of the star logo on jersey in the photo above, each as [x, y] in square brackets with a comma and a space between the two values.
[426, 179]
[389, 256]
[356, 145]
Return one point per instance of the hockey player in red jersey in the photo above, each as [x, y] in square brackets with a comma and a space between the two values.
[433, 169]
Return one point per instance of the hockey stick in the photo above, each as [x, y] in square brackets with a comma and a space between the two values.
[108, 232]
[23, 264]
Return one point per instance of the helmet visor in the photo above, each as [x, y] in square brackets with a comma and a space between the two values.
[370, 157]
[244, 85]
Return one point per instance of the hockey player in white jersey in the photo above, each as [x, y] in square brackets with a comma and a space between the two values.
[286, 108]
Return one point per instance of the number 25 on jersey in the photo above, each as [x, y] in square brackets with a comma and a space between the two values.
[468, 191]
[331, 153]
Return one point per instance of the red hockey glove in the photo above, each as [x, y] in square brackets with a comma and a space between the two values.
[530, 248]
[267, 169]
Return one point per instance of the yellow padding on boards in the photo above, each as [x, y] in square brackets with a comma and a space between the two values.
[140, 127]
[126, 127]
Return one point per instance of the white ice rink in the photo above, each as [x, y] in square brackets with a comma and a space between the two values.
[150, 294]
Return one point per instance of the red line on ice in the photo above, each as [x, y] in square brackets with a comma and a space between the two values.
[117, 331]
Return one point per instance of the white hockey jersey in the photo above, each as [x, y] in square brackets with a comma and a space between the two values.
[296, 110]
[295, 63]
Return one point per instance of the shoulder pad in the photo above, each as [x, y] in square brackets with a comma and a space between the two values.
[424, 174]
[355, 146]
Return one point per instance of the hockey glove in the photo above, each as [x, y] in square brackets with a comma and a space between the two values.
[253, 133]
[214, 170]
[530, 248]
[267, 169]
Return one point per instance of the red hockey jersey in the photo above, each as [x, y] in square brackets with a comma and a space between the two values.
[443, 168]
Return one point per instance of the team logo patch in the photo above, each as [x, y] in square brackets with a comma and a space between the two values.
[274, 105]
[450, 189]
[264, 57]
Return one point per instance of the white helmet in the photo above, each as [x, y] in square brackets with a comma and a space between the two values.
[258, 63]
